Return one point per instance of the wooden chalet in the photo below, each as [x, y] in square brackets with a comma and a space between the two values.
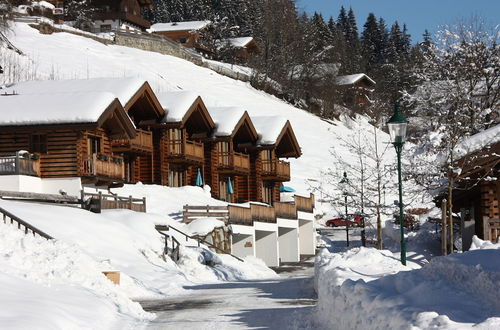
[268, 172]
[227, 154]
[188, 34]
[121, 14]
[356, 89]
[65, 135]
[245, 47]
[178, 136]
[477, 191]
[139, 102]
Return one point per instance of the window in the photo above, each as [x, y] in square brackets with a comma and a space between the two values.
[175, 178]
[182, 40]
[223, 193]
[174, 137]
[267, 193]
[38, 143]
[267, 160]
[224, 154]
[105, 27]
[94, 144]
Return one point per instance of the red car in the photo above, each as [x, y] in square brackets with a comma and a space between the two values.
[354, 220]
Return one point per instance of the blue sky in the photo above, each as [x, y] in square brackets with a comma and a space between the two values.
[417, 14]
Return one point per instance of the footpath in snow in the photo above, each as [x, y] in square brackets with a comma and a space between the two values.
[280, 303]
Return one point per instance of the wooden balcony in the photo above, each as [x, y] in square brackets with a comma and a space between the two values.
[233, 163]
[185, 151]
[19, 165]
[276, 170]
[141, 144]
[304, 204]
[104, 166]
[285, 210]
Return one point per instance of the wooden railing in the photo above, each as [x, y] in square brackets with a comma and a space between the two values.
[9, 217]
[142, 142]
[240, 215]
[263, 213]
[105, 165]
[187, 149]
[285, 210]
[276, 168]
[189, 213]
[18, 165]
[102, 201]
[234, 161]
[492, 229]
[304, 204]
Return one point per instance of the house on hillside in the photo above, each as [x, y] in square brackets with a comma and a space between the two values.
[62, 135]
[139, 102]
[122, 14]
[178, 139]
[188, 34]
[227, 154]
[355, 89]
[477, 191]
[244, 47]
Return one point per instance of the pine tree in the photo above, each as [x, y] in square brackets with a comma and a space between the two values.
[371, 43]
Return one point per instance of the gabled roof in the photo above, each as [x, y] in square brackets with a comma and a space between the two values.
[277, 132]
[127, 90]
[353, 78]
[229, 120]
[179, 26]
[93, 108]
[240, 42]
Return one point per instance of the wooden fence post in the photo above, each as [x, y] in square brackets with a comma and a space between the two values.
[486, 229]
[130, 202]
[144, 204]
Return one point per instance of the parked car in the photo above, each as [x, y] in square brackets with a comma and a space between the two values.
[354, 220]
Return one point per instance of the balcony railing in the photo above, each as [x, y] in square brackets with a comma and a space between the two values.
[233, 161]
[304, 204]
[276, 169]
[285, 210]
[179, 150]
[104, 165]
[18, 165]
[143, 142]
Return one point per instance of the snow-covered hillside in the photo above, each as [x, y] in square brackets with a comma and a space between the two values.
[67, 56]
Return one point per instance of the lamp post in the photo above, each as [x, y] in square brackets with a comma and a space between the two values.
[397, 129]
[343, 184]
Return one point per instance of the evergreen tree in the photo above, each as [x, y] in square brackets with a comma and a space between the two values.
[371, 43]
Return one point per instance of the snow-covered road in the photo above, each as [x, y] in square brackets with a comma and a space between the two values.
[283, 303]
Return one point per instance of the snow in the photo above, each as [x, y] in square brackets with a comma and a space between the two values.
[478, 141]
[44, 4]
[367, 288]
[176, 104]
[203, 226]
[352, 79]
[123, 88]
[240, 42]
[179, 26]
[269, 128]
[226, 119]
[54, 108]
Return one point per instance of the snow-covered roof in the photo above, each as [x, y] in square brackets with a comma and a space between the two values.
[44, 4]
[55, 108]
[176, 104]
[269, 128]
[179, 26]
[240, 42]
[226, 119]
[478, 141]
[122, 88]
[352, 79]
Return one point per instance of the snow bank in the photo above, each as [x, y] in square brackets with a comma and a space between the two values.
[478, 243]
[203, 226]
[66, 287]
[356, 290]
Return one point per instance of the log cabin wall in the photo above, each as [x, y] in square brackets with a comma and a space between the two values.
[211, 175]
[144, 164]
[61, 158]
[490, 199]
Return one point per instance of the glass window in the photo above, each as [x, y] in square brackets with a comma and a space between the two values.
[94, 144]
[39, 143]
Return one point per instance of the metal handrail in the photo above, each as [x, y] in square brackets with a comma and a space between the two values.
[26, 225]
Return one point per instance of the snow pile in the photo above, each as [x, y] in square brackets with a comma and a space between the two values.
[478, 243]
[62, 282]
[356, 290]
[200, 263]
[203, 226]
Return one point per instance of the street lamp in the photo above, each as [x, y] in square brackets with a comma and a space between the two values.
[343, 184]
[397, 129]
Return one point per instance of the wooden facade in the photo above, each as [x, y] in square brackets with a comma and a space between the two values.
[186, 34]
[122, 10]
[73, 150]
[477, 194]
